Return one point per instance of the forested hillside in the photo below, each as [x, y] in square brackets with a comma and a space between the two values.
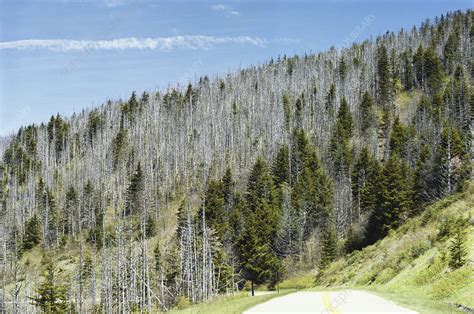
[182, 194]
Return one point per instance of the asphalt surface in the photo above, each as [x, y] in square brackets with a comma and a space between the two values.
[329, 302]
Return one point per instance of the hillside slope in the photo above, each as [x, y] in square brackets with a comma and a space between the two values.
[412, 262]
[186, 194]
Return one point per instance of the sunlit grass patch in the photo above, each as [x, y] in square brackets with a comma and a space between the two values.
[231, 304]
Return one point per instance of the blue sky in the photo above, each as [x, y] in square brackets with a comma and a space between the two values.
[60, 56]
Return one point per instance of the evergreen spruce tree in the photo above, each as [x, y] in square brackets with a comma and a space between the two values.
[331, 100]
[118, 147]
[457, 249]
[328, 244]
[182, 217]
[342, 69]
[70, 213]
[299, 153]
[398, 138]
[236, 218]
[422, 177]
[214, 205]
[394, 199]
[418, 67]
[50, 295]
[319, 192]
[408, 73]
[287, 111]
[384, 83]
[367, 114]
[344, 118]
[258, 260]
[450, 51]
[281, 167]
[150, 227]
[52, 225]
[134, 198]
[32, 235]
[228, 190]
[261, 198]
[365, 176]
[95, 123]
[287, 236]
[339, 145]
[299, 112]
[88, 215]
[433, 71]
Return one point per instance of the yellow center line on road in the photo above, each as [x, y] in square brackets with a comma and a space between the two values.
[328, 304]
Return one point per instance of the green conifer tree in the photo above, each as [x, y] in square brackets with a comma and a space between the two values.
[214, 206]
[450, 51]
[50, 295]
[344, 117]
[328, 244]
[408, 72]
[398, 138]
[281, 167]
[384, 84]
[418, 66]
[457, 249]
[367, 114]
[339, 145]
[32, 235]
[331, 100]
[422, 177]
[393, 199]
[134, 198]
[150, 227]
[258, 260]
[299, 153]
[433, 71]
[70, 210]
[364, 183]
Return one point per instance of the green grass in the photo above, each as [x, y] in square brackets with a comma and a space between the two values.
[232, 304]
[414, 301]
[417, 302]
[298, 282]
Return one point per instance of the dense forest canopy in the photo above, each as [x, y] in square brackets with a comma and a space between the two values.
[189, 192]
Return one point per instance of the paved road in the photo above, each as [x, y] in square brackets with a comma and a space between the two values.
[331, 302]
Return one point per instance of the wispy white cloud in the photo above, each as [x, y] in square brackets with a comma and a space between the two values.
[106, 3]
[219, 7]
[228, 10]
[286, 40]
[190, 42]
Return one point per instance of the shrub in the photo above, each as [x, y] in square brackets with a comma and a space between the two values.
[452, 282]
[432, 271]
[385, 275]
[182, 302]
[299, 282]
[418, 248]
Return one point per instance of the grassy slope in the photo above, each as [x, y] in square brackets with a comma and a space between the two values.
[409, 266]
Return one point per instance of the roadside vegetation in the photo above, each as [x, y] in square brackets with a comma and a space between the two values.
[426, 264]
